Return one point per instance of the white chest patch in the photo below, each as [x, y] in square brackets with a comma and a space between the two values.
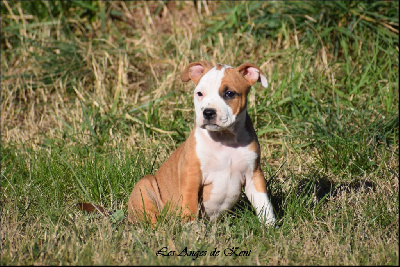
[224, 170]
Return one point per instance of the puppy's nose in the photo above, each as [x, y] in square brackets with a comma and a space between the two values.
[209, 113]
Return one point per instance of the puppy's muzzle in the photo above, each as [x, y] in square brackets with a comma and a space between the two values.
[209, 114]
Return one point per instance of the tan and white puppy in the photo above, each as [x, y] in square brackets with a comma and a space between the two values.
[206, 174]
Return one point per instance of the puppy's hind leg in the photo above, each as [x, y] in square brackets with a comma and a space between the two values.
[145, 202]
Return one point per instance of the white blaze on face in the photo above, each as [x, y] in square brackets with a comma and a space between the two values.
[207, 96]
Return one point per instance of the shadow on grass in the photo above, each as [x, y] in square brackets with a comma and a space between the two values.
[314, 191]
[318, 191]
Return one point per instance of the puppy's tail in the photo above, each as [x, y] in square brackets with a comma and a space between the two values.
[89, 207]
[115, 217]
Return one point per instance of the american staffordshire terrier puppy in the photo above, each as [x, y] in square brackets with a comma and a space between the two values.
[206, 174]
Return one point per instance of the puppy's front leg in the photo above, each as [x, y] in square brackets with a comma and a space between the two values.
[256, 192]
[190, 183]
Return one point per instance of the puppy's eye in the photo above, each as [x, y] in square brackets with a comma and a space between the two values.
[230, 94]
[199, 93]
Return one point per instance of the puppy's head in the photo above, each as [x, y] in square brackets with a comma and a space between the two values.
[220, 96]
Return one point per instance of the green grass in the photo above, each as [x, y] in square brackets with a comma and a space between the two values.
[91, 101]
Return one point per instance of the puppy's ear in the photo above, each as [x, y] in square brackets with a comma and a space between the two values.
[252, 74]
[194, 71]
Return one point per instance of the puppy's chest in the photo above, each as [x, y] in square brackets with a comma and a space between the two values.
[220, 163]
[224, 171]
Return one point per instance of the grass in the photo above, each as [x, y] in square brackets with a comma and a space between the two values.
[91, 101]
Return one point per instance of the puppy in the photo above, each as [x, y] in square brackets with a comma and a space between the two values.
[206, 174]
